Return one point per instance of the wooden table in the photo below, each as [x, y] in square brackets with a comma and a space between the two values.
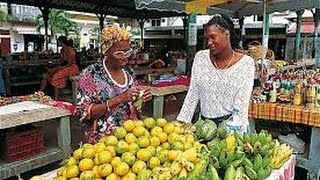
[51, 154]
[25, 79]
[158, 96]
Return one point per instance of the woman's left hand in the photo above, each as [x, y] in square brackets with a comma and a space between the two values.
[147, 95]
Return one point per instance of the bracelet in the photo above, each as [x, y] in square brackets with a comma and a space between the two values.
[107, 106]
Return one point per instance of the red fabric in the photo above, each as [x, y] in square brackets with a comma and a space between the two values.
[65, 105]
[59, 78]
[182, 80]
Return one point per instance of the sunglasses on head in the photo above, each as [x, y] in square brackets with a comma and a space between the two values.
[122, 54]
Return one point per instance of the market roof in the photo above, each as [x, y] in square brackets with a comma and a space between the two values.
[121, 8]
[232, 7]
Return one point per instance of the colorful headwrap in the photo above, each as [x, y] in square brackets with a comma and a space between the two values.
[112, 34]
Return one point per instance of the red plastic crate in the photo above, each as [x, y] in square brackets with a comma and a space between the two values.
[22, 144]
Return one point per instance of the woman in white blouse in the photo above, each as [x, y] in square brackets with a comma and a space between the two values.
[221, 78]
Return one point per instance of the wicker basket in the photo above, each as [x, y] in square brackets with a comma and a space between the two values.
[255, 51]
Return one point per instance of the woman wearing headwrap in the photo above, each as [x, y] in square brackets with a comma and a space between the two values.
[106, 90]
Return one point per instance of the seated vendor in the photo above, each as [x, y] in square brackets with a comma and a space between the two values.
[108, 89]
[58, 76]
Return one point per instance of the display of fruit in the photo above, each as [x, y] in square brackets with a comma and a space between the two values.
[246, 156]
[159, 150]
[147, 149]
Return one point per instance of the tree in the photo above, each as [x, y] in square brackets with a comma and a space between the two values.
[58, 23]
[3, 16]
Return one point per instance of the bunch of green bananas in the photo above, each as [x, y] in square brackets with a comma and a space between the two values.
[242, 156]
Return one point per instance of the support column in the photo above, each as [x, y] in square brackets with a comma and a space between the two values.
[265, 38]
[298, 36]
[242, 30]
[192, 40]
[45, 14]
[101, 18]
[141, 25]
[185, 31]
[316, 39]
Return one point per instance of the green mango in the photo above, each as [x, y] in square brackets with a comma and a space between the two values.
[265, 161]
[247, 162]
[251, 173]
[230, 173]
[222, 131]
[257, 162]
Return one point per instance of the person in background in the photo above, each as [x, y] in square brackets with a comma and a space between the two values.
[91, 52]
[57, 76]
[221, 78]
[108, 89]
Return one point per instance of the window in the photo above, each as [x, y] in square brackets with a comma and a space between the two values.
[153, 22]
[158, 22]
[163, 20]
[260, 18]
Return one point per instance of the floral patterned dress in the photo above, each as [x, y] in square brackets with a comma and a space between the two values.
[96, 85]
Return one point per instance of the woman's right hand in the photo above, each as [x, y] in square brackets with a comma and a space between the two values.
[129, 95]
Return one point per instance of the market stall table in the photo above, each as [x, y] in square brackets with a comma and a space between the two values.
[28, 112]
[297, 115]
[158, 96]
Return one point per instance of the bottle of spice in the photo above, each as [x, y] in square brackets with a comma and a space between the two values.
[311, 94]
[273, 93]
[297, 98]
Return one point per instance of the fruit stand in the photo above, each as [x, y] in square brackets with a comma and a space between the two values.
[295, 115]
[26, 150]
[292, 97]
[160, 149]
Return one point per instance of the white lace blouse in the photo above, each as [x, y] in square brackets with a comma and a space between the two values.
[218, 90]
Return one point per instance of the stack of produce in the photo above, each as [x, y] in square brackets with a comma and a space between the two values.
[148, 149]
[237, 156]
[161, 150]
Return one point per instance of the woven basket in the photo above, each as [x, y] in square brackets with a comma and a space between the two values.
[255, 51]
